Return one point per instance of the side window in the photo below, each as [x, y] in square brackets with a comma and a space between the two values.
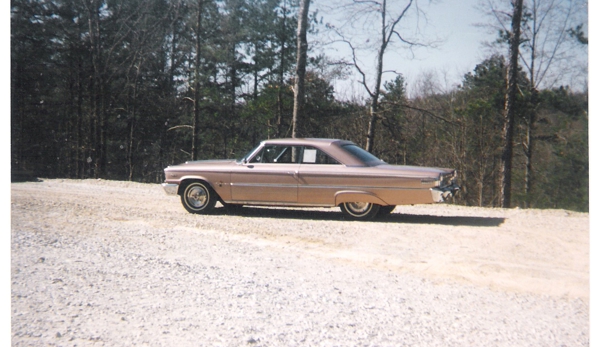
[278, 155]
[315, 156]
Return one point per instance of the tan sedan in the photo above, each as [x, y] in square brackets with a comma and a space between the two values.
[308, 172]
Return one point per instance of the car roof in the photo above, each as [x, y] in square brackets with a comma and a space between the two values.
[306, 141]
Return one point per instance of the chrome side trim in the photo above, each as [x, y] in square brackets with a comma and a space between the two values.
[271, 203]
[318, 186]
[170, 188]
[359, 188]
[180, 176]
[358, 175]
[264, 185]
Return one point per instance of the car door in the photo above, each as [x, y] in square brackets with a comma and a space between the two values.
[319, 178]
[270, 176]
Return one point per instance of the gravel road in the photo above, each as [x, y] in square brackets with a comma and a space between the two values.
[107, 263]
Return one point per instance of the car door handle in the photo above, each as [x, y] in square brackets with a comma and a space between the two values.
[250, 166]
[295, 174]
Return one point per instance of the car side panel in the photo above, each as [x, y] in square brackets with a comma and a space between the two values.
[264, 182]
[405, 196]
[333, 184]
[318, 184]
[219, 181]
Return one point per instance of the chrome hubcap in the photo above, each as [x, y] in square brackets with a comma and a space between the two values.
[358, 208]
[197, 197]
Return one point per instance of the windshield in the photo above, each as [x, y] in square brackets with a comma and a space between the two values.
[362, 155]
[247, 156]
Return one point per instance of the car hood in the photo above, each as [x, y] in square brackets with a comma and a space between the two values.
[203, 163]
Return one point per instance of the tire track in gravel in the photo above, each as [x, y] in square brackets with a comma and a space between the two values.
[542, 252]
[118, 263]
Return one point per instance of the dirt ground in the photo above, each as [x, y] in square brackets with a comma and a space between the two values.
[541, 255]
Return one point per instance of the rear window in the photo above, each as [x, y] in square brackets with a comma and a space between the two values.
[362, 155]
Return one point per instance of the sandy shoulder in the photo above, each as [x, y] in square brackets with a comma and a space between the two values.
[110, 263]
[531, 251]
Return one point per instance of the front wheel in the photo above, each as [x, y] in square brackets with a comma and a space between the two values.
[359, 210]
[198, 197]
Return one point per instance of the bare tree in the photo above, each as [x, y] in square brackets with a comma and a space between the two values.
[545, 47]
[387, 18]
[300, 69]
[547, 54]
[105, 51]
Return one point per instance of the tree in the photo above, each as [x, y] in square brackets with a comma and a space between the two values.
[393, 102]
[563, 155]
[320, 108]
[195, 145]
[285, 23]
[126, 85]
[547, 55]
[479, 105]
[300, 69]
[31, 54]
[388, 17]
[549, 58]
[510, 106]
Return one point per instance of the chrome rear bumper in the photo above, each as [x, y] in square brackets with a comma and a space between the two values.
[170, 188]
[442, 194]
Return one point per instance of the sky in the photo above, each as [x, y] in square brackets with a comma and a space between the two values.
[461, 49]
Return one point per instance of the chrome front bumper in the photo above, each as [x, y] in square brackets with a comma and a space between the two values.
[170, 188]
[442, 194]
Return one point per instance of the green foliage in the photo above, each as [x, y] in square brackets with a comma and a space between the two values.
[393, 138]
[570, 174]
[124, 92]
[487, 80]
[481, 118]
[564, 161]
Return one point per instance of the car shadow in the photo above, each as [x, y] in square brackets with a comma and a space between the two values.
[335, 215]
[443, 220]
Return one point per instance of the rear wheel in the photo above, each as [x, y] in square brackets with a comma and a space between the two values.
[198, 197]
[359, 210]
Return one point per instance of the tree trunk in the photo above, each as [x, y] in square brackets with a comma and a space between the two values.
[80, 166]
[509, 111]
[374, 104]
[300, 70]
[529, 147]
[529, 143]
[97, 90]
[283, 40]
[133, 123]
[195, 145]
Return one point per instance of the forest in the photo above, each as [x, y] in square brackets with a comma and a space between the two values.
[120, 89]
